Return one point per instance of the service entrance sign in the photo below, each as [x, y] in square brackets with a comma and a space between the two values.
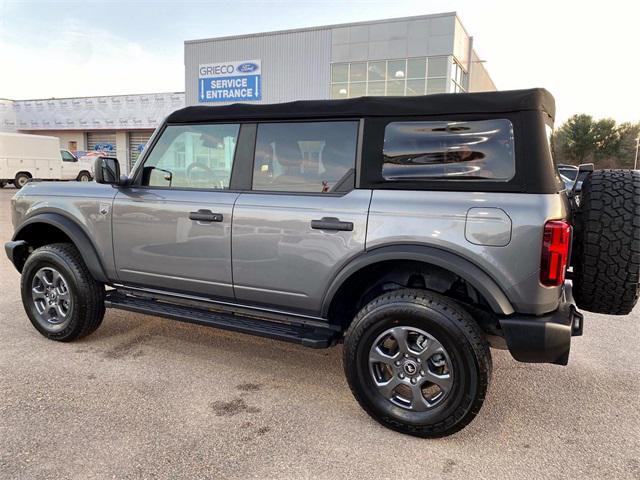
[230, 82]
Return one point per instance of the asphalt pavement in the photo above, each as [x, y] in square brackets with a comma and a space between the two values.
[145, 397]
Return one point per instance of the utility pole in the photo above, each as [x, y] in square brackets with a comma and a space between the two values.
[635, 163]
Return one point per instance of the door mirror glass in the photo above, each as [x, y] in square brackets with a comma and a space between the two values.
[107, 170]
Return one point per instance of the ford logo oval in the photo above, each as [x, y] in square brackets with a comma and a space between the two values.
[247, 67]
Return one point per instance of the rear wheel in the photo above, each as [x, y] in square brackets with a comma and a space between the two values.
[60, 296]
[21, 179]
[606, 247]
[417, 363]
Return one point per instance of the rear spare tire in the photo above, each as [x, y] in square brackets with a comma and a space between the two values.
[606, 247]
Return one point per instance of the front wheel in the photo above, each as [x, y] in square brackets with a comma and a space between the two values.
[84, 177]
[417, 363]
[61, 298]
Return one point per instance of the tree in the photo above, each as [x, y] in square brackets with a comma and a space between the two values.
[582, 139]
[607, 139]
[576, 139]
[629, 132]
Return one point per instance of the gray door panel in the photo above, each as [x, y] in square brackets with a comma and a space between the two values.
[279, 259]
[156, 244]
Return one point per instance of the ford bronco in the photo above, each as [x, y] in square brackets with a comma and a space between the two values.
[417, 231]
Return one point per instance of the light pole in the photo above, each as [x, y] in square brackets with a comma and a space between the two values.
[635, 163]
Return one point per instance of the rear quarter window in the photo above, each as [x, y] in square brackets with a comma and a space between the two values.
[449, 150]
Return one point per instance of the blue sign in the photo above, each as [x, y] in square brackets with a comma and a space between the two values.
[230, 82]
[103, 147]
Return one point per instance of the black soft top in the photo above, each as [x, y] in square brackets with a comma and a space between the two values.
[445, 103]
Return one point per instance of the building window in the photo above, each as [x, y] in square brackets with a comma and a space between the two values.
[459, 77]
[394, 77]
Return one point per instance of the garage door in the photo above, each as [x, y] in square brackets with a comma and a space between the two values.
[137, 142]
[103, 142]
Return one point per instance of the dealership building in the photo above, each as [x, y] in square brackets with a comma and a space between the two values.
[402, 56]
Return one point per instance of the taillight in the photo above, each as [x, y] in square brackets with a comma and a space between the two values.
[555, 252]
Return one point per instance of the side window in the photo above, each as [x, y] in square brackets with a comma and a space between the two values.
[192, 156]
[473, 150]
[316, 157]
[67, 156]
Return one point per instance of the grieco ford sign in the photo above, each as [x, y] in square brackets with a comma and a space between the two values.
[230, 82]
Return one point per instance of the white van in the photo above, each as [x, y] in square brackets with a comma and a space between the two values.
[23, 157]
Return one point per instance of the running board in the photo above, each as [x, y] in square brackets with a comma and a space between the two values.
[314, 337]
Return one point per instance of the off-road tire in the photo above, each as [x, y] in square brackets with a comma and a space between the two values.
[606, 246]
[21, 180]
[87, 294]
[458, 333]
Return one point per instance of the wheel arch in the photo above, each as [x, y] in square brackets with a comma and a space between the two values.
[430, 256]
[45, 228]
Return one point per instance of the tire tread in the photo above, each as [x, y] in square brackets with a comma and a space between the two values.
[607, 243]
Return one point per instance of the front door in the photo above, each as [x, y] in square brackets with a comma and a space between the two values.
[172, 228]
[302, 219]
[69, 166]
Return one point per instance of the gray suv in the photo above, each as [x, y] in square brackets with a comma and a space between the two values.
[416, 231]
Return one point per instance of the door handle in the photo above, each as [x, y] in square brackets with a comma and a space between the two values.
[331, 223]
[205, 216]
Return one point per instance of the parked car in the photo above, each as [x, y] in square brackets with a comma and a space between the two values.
[416, 231]
[25, 157]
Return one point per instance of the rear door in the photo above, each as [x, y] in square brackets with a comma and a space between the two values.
[302, 219]
[172, 229]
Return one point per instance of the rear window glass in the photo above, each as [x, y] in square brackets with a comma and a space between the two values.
[474, 150]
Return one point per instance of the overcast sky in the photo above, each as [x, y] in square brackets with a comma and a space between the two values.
[586, 53]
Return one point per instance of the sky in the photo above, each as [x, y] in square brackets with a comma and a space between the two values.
[586, 53]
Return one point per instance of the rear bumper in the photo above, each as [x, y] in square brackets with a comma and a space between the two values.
[545, 338]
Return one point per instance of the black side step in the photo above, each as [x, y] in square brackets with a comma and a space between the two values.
[313, 337]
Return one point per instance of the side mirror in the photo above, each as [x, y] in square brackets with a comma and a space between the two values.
[106, 170]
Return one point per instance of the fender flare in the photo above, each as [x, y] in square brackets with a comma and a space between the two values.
[77, 235]
[462, 267]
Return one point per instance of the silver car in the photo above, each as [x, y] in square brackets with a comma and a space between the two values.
[416, 231]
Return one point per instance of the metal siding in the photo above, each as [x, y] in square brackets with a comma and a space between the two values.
[295, 65]
[94, 138]
[137, 138]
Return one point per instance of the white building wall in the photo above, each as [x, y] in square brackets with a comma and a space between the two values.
[97, 113]
[480, 81]
[65, 137]
[8, 122]
[461, 44]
